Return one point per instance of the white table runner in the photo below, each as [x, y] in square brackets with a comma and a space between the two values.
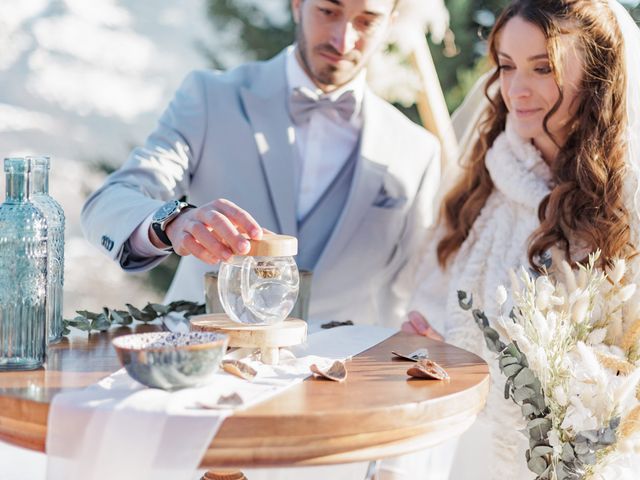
[118, 428]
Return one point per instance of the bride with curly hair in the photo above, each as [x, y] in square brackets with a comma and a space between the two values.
[553, 166]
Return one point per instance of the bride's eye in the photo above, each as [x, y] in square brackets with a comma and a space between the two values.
[505, 68]
[543, 70]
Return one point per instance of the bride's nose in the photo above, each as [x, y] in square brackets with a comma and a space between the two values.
[519, 87]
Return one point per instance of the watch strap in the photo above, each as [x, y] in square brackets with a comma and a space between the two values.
[160, 233]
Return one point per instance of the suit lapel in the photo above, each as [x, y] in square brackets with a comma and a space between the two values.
[265, 103]
[371, 167]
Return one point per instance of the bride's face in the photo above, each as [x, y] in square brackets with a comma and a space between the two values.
[528, 86]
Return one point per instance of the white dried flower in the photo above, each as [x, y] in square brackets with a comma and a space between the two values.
[569, 277]
[515, 281]
[560, 396]
[580, 308]
[616, 272]
[555, 442]
[597, 336]
[501, 295]
[627, 292]
[583, 278]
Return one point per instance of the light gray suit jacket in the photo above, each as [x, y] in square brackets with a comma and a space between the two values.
[229, 135]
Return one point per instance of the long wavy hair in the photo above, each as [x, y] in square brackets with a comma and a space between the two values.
[585, 206]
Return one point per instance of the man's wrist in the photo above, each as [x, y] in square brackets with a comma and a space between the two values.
[161, 220]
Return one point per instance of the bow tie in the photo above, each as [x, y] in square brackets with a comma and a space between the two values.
[303, 102]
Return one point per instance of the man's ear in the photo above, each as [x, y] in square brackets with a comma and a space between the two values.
[296, 5]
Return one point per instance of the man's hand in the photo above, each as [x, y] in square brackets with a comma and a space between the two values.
[419, 325]
[211, 232]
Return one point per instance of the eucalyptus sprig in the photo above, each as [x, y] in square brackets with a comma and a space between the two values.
[102, 321]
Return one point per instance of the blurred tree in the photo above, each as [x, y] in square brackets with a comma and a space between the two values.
[459, 67]
[259, 32]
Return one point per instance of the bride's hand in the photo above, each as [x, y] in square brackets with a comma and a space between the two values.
[419, 325]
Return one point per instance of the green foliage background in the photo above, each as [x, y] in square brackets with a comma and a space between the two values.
[258, 37]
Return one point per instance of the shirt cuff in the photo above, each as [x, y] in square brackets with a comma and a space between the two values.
[140, 243]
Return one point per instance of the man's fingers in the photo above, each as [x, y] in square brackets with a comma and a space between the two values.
[208, 256]
[217, 225]
[408, 328]
[418, 322]
[423, 327]
[433, 334]
[239, 217]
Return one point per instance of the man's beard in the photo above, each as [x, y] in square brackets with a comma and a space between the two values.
[329, 74]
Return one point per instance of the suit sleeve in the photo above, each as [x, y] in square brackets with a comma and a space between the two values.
[153, 174]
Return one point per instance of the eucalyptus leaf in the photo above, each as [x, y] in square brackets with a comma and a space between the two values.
[541, 451]
[100, 323]
[133, 311]
[588, 458]
[529, 410]
[614, 423]
[567, 453]
[121, 317]
[539, 427]
[607, 437]
[537, 465]
[581, 448]
[523, 393]
[561, 473]
[513, 350]
[507, 360]
[507, 390]
[463, 302]
[524, 377]
[159, 308]
[87, 315]
[512, 370]
[590, 435]
[480, 318]
[81, 323]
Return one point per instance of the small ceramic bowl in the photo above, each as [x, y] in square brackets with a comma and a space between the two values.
[171, 360]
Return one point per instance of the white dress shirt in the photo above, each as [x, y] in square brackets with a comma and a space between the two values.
[324, 144]
[327, 140]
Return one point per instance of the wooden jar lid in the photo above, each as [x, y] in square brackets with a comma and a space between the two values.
[273, 245]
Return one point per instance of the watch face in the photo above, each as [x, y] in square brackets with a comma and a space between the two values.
[165, 211]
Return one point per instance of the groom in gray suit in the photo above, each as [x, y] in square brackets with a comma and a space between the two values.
[301, 143]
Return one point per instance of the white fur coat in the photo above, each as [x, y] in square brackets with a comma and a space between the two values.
[497, 243]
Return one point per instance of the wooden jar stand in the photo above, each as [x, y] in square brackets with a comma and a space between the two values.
[268, 338]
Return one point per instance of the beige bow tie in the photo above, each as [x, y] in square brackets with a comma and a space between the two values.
[303, 102]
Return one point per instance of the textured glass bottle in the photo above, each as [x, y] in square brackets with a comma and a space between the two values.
[23, 273]
[54, 215]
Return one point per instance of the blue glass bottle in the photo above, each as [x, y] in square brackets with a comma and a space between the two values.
[23, 273]
[54, 215]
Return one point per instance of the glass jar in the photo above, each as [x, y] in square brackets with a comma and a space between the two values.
[54, 215]
[262, 286]
[23, 273]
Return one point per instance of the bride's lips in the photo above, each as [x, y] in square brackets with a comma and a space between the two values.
[526, 112]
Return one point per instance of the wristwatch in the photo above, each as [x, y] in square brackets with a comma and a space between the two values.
[164, 215]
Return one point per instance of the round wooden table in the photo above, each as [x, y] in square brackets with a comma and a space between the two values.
[377, 412]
